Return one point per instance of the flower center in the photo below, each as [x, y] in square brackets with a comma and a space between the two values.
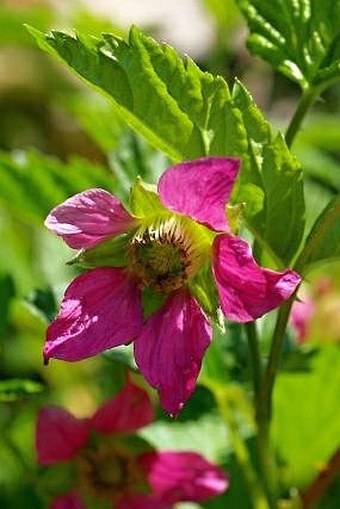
[165, 254]
[107, 471]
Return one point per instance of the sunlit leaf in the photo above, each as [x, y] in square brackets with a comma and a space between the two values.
[181, 110]
[306, 420]
[187, 113]
[300, 38]
[270, 183]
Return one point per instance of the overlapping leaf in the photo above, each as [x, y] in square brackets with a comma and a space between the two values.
[271, 183]
[181, 110]
[323, 241]
[188, 113]
[301, 38]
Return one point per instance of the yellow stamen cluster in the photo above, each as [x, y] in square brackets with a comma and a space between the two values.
[164, 254]
[106, 471]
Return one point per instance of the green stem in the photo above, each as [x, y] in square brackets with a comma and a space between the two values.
[275, 354]
[264, 405]
[257, 495]
[254, 356]
[265, 456]
[306, 101]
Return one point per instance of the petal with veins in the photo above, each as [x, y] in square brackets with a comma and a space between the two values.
[170, 349]
[100, 309]
[183, 476]
[88, 218]
[246, 290]
[200, 189]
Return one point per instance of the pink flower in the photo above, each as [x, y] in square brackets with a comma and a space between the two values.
[108, 465]
[177, 245]
[301, 314]
[316, 316]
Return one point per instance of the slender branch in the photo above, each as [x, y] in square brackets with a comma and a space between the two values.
[274, 355]
[314, 492]
[307, 99]
[264, 404]
[262, 438]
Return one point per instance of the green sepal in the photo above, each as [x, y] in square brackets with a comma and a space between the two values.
[110, 253]
[151, 301]
[135, 444]
[56, 479]
[144, 200]
[203, 288]
[234, 215]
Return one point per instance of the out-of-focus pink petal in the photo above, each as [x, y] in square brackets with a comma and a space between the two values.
[100, 309]
[200, 189]
[143, 502]
[170, 348]
[68, 501]
[246, 290]
[183, 476]
[59, 435]
[130, 410]
[301, 315]
[88, 218]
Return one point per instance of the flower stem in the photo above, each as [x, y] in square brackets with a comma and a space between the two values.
[257, 495]
[263, 403]
[315, 491]
[308, 97]
[275, 354]
[265, 457]
[254, 355]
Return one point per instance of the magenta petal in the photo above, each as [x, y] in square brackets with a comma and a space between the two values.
[170, 348]
[143, 502]
[68, 501]
[88, 218]
[130, 410]
[246, 290]
[183, 476]
[200, 189]
[59, 435]
[100, 309]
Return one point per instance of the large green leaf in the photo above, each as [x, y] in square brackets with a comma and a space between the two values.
[301, 38]
[270, 184]
[282, 178]
[323, 241]
[188, 113]
[181, 110]
[306, 417]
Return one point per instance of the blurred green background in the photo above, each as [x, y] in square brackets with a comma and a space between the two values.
[58, 137]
